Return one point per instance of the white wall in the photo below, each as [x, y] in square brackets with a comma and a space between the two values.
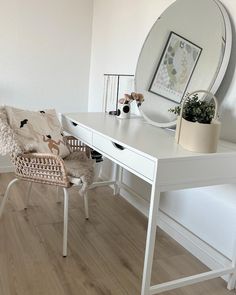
[45, 53]
[119, 30]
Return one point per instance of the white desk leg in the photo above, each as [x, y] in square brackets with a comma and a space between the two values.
[118, 179]
[232, 279]
[150, 242]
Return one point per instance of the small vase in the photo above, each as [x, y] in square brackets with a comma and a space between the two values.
[123, 111]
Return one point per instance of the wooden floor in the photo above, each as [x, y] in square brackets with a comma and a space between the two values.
[105, 253]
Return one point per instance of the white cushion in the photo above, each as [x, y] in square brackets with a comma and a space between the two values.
[38, 131]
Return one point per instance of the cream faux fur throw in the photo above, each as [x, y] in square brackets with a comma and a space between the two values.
[77, 163]
[8, 140]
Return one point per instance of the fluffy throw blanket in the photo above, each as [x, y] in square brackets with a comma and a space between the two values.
[78, 165]
[8, 141]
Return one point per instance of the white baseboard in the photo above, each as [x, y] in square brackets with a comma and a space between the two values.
[6, 169]
[197, 247]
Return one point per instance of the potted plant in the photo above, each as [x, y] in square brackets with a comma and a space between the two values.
[198, 128]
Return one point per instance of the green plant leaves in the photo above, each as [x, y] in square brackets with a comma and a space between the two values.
[195, 110]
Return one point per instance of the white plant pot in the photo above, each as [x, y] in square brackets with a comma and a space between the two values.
[198, 137]
[123, 111]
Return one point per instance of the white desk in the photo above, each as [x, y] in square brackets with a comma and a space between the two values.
[152, 154]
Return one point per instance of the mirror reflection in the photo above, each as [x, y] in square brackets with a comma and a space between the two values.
[187, 49]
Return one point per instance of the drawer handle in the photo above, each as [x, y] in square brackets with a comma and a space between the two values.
[74, 124]
[118, 146]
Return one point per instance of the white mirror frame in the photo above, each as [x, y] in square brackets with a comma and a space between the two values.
[221, 72]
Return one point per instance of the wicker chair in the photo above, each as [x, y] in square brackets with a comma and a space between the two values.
[50, 169]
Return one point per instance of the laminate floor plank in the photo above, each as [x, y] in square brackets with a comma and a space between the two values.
[105, 254]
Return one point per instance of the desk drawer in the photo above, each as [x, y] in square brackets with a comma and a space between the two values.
[80, 132]
[129, 158]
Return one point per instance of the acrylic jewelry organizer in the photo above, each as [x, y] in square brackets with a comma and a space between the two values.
[115, 85]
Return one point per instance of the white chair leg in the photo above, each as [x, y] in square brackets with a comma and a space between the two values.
[86, 208]
[28, 195]
[65, 226]
[6, 195]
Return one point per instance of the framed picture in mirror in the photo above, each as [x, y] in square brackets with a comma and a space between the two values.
[175, 68]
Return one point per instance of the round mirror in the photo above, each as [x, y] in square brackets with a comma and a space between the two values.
[188, 48]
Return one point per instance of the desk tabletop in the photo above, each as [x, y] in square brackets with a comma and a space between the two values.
[140, 136]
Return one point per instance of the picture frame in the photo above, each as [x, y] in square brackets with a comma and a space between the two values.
[175, 68]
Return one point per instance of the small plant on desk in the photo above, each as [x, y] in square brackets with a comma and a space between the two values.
[195, 110]
[198, 127]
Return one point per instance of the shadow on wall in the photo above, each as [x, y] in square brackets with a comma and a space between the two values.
[226, 96]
